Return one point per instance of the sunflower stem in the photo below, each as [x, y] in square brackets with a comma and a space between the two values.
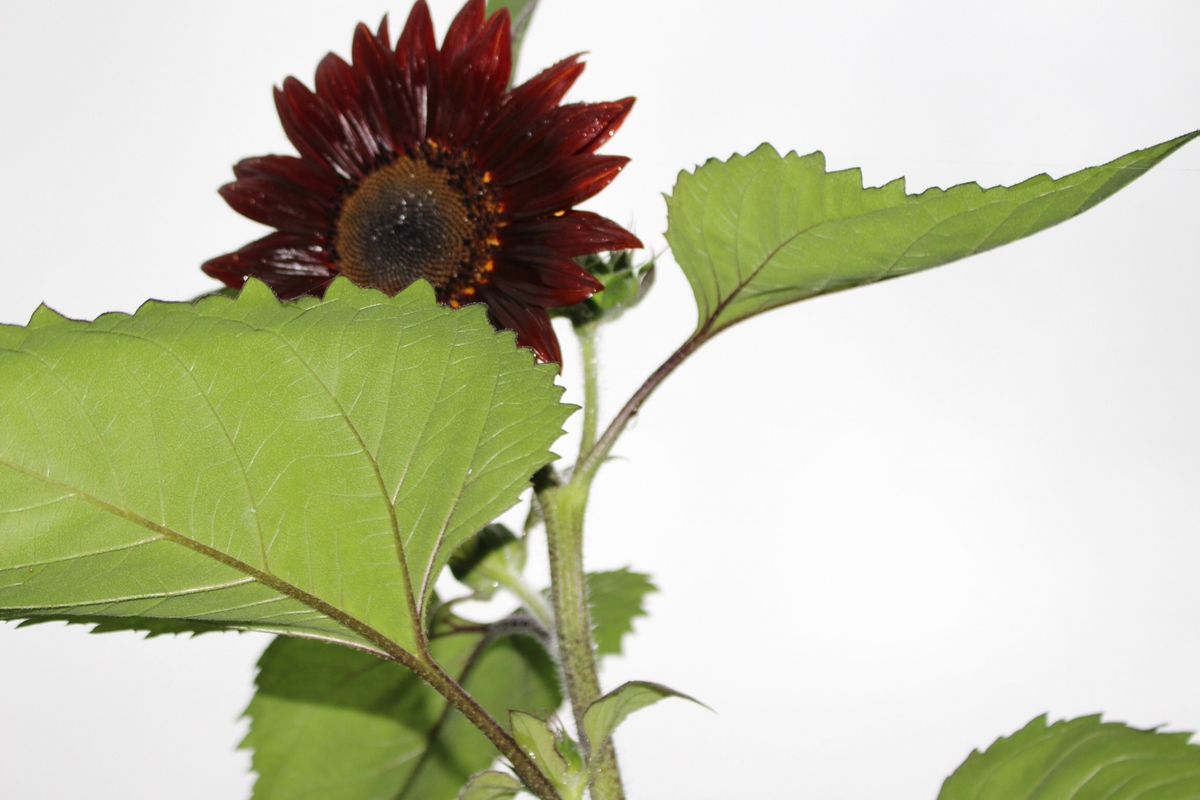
[563, 508]
[591, 389]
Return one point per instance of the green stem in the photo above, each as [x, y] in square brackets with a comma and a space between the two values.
[533, 600]
[564, 508]
[591, 391]
[589, 462]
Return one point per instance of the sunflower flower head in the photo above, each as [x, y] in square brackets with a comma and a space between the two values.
[418, 163]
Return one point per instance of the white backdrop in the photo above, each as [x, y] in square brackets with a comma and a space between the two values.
[889, 525]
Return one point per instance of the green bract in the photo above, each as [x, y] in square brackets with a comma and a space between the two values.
[303, 469]
[1083, 759]
[763, 230]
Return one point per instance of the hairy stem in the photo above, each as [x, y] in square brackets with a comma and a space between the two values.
[589, 462]
[477, 715]
[563, 508]
[591, 390]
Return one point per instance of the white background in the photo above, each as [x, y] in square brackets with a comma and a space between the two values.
[889, 525]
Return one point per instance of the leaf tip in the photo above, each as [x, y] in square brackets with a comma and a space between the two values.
[45, 317]
[256, 294]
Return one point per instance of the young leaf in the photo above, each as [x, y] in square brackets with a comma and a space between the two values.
[604, 715]
[303, 468]
[763, 230]
[491, 786]
[1083, 759]
[553, 751]
[616, 601]
[334, 724]
[540, 742]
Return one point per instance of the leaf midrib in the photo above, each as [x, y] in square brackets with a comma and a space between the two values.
[388, 648]
[706, 329]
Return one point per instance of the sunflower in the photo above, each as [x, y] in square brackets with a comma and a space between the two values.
[419, 163]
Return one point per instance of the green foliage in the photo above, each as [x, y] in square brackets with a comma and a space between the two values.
[334, 724]
[603, 716]
[625, 285]
[302, 468]
[616, 599]
[553, 751]
[763, 230]
[1080, 759]
[491, 786]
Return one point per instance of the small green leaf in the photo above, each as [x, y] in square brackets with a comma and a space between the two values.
[603, 716]
[491, 786]
[553, 751]
[304, 469]
[520, 12]
[763, 230]
[1080, 759]
[616, 601]
[333, 724]
[541, 743]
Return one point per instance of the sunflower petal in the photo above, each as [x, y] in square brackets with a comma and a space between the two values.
[576, 233]
[532, 325]
[291, 264]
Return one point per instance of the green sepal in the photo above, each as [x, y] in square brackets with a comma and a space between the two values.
[625, 285]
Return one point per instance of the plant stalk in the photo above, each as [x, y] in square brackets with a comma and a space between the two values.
[564, 508]
[591, 389]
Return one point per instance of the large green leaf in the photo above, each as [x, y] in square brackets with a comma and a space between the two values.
[301, 468]
[333, 724]
[763, 230]
[1080, 759]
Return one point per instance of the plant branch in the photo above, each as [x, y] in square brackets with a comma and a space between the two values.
[529, 773]
[589, 463]
[533, 600]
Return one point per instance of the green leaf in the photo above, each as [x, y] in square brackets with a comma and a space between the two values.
[540, 742]
[603, 716]
[553, 751]
[1080, 759]
[491, 786]
[616, 601]
[329, 723]
[303, 468]
[521, 14]
[760, 231]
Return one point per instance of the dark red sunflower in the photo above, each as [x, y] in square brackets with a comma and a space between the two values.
[419, 163]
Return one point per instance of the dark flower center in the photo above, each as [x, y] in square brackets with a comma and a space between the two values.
[429, 216]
